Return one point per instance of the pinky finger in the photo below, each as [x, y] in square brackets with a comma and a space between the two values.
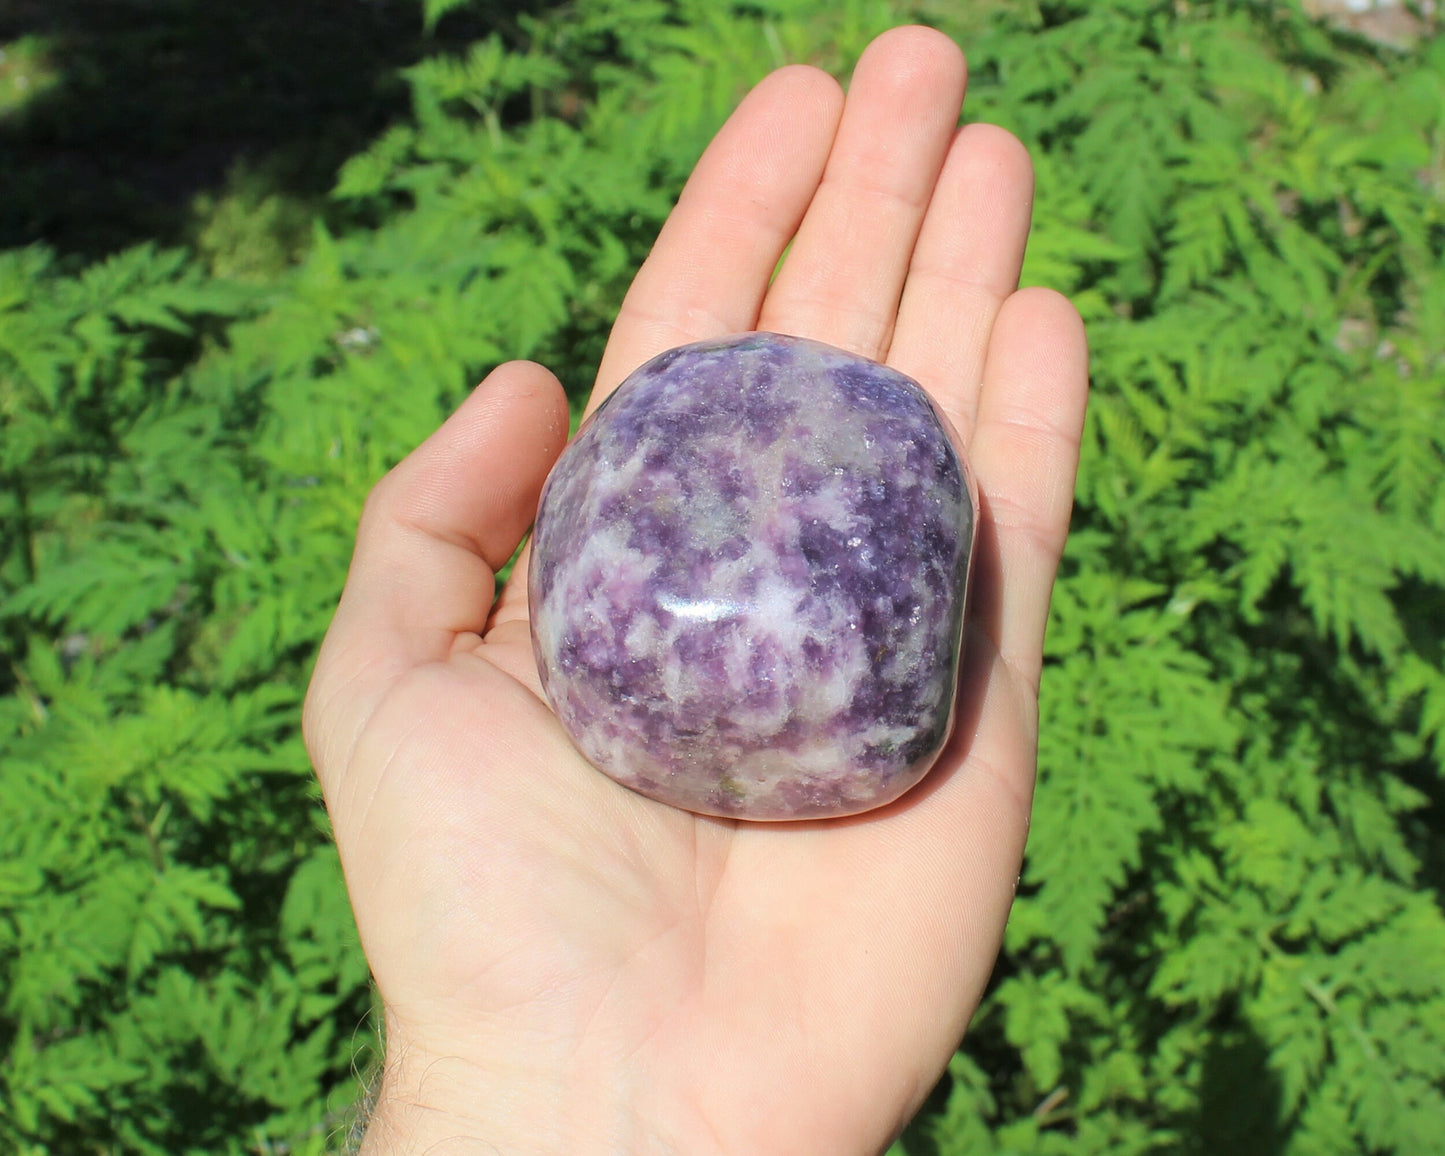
[1025, 451]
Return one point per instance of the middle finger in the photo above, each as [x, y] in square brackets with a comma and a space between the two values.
[842, 279]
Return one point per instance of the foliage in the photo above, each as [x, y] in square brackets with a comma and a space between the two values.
[1228, 932]
[1230, 916]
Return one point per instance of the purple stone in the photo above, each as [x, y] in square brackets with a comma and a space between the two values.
[748, 580]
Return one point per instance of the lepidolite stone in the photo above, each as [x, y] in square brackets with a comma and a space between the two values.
[748, 580]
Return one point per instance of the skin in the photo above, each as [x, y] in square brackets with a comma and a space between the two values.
[570, 968]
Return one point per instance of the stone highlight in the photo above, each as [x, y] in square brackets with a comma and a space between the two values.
[748, 580]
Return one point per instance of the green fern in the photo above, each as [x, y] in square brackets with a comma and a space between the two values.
[1229, 923]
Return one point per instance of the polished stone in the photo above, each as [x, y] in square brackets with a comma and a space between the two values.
[748, 580]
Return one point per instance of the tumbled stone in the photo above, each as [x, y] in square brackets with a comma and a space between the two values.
[748, 580]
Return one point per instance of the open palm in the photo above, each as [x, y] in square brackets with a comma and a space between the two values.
[569, 967]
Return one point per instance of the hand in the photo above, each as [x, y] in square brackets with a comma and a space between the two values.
[571, 968]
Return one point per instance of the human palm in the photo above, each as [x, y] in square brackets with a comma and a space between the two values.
[567, 966]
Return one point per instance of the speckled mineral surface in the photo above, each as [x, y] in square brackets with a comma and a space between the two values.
[748, 580]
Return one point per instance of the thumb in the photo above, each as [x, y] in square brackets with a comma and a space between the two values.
[432, 536]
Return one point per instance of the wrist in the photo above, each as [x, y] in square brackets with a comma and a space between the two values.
[443, 1105]
[427, 1105]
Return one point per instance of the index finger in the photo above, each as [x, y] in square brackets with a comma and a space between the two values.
[713, 260]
